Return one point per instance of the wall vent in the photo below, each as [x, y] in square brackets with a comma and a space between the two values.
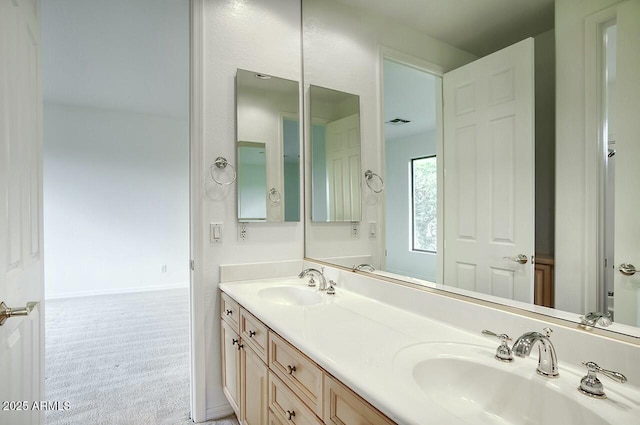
[398, 121]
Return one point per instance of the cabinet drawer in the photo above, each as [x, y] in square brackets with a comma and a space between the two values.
[273, 419]
[343, 406]
[301, 374]
[286, 407]
[254, 334]
[230, 312]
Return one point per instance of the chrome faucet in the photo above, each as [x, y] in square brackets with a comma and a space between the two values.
[364, 267]
[312, 282]
[592, 319]
[547, 361]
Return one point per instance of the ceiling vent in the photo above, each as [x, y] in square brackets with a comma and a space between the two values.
[398, 121]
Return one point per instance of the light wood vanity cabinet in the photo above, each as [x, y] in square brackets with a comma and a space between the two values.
[269, 382]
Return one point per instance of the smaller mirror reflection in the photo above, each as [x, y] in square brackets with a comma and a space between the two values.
[268, 148]
[335, 156]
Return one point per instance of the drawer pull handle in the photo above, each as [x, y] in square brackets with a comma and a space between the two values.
[240, 346]
[229, 312]
[251, 334]
[234, 341]
[290, 414]
[291, 369]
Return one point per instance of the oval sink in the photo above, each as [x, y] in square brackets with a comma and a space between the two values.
[290, 295]
[468, 382]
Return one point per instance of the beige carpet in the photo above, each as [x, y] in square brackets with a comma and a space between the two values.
[119, 359]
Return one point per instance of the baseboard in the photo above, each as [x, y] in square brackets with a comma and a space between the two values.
[114, 291]
[219, 412]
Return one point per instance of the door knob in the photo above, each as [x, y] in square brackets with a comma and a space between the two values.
[6, 312]
[520, 259]
[627, 269]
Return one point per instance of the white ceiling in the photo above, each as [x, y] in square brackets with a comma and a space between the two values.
[409, 94]
[476, 26]
[117, 54]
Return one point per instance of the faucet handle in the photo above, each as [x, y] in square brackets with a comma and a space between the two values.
[311, 282]
[503, 352]
[331, 290]
[590, 384]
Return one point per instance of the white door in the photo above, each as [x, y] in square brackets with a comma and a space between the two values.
[343, 168]
[489, 174]
[627, 179]
[21, 266]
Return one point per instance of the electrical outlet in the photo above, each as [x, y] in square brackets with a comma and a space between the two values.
[354, 229]
[242, 232]
[163, 268]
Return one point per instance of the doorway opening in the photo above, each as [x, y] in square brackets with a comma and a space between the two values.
[116, 210]
[411, 145]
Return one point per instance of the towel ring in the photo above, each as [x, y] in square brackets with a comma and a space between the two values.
[369, 175]
[274, 196]
[221, 163]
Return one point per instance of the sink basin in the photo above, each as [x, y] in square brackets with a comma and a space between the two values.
[291, 295]
[469, 383]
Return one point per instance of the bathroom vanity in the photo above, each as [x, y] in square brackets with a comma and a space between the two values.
[268, 380]
[294, 354]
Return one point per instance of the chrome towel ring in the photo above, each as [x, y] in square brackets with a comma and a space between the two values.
[368, 176]
[274, 196]
[221, 164]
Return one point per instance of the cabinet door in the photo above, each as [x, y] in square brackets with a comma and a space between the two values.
[253, 390]
[230, 365]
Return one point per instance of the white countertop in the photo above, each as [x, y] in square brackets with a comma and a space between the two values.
[359, 340]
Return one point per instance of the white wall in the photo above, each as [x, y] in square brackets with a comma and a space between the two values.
[575, 230]
[342, 52]
[115, 201]
[262, 36]
[400, 258]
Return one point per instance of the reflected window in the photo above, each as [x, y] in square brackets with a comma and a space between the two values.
[424, 196]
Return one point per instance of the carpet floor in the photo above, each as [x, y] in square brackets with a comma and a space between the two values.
[119, 359]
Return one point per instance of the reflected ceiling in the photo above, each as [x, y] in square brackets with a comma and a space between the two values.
[510, 20]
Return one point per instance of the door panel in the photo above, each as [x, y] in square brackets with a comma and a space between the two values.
[21, 270]
[343, 163]
[627, 171]
[489, 175]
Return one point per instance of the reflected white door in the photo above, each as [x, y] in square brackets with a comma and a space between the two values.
[343, 168]
[21, 266]
[627, 179]
[489, 173]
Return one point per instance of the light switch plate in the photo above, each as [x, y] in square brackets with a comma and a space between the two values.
[215, 232]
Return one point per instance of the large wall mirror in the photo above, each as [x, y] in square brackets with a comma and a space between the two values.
[268, 148]
[459, 114]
